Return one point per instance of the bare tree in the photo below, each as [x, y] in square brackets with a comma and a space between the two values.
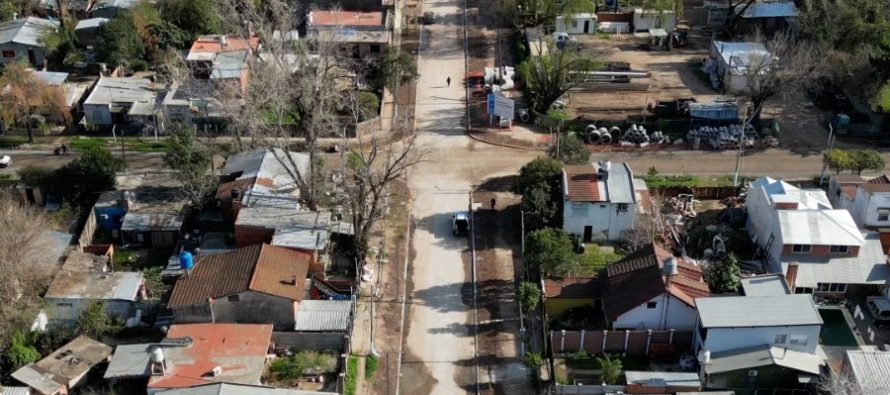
[780, 69]
[844, 384]
[25, 266]
[369, 171]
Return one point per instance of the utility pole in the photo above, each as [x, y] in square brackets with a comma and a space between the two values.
[827, 152]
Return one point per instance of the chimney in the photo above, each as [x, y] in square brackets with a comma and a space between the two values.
[791, 276]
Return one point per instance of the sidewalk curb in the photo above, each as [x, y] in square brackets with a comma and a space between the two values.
[475, 137]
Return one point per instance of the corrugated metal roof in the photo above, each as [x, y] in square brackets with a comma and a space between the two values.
[238, 389]
[52, 78]
[26, 31]
[323, 316]
[662, 379]
[14, 390]
[90, 23]
[869, 267]
[121, 90]
[871, 370]
[819, 227]
[757, 311]
[771, 9]
[152, 222]
[129, 360]
[95, 286]
[739, 55]
[765, 285]
[752, 357]
[53, 372]
[619, 184]
[272, 165]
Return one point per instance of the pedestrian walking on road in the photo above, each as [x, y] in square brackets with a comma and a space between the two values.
[448, 80]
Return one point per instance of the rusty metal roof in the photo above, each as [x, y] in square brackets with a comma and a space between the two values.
[260, 267]
[583, 184]
[580, 288]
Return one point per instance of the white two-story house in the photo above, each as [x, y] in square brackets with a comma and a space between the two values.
[818, 248]
[867, 199]
[600, 201]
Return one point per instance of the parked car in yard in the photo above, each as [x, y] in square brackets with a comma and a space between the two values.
[562, 39]
[460, 223]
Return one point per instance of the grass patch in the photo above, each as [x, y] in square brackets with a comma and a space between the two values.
[663, 181]
[83, 144]
[7, 142]
[131, 144]
[141, 145]
[124, 258]
[596, 258]
[350, 384]
[371, 363]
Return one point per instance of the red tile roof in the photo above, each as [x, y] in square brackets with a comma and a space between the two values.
[582, 184]
[345, 18]
[639, 277]
[883, 179]
[261, 268]
[238, 349]
[576, 288]
[876, 187]
[213, 44]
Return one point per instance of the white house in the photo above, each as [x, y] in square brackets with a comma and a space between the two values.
[650, 289]
[732, 62]
[576, 24]
[653, 19]
[113, 99]
[73, 291]
[871, 206]
[599, 201]
[737, 322]
[819, 249]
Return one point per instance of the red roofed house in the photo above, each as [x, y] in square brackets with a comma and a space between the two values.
[361, 33]
[650, 289]
[260, 283]
[197, 354]
[600, 201]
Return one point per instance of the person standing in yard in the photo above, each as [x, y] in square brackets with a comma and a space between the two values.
[448, 81]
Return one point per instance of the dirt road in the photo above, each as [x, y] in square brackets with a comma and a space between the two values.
[136, 161]
[439, 346]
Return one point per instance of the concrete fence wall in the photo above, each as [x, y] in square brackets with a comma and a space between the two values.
[89, 229]
[697, 192]
[605, 342]
[316, 341]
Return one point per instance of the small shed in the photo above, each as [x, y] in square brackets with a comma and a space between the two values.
[652, 19]
[65, 368]
[576, 23]
[732, 62]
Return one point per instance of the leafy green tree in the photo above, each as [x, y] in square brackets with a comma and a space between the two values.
[194, 17]
[838, 160]
[533, 360]
[21, 351]
[93, 172]
[551, 250]
[570, 149]
[94, 322]
[7, 10]
[121, 43]
[611, 368]
[539, 208]
[866, 160]
[190, 162]
[547, 77]
[723, 275]
[529, 296]
[541, 170]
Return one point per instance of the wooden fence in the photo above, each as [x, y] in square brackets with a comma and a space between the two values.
[624, 342]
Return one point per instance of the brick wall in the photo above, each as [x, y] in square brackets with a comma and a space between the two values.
[248, 235]
[821, 251]
[630, 342]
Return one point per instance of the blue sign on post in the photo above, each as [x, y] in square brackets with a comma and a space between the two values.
[491, 102]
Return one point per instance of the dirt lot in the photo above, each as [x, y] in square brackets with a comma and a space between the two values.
[498, 266]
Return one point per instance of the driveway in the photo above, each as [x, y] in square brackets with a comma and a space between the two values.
[439, 345]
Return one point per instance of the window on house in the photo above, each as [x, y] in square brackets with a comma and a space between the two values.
[801, 248]
[883, 214]
[803, 290]
[839, 249]
[651, 305]
[375, 48]
[780, 339]
[797, 340]
[8, 54]
[575, 24]
[234, 298]
[622, 207]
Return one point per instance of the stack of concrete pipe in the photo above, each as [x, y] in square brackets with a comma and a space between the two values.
[722, 137]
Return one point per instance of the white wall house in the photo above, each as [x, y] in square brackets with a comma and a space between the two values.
[576, 24]
[650, 289]
[730, 62]
[735, 322]
[71, 292]
[871, 206]
[653, 19]
[599, 201]
[21, 40]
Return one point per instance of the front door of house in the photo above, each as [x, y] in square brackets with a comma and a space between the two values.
[588, 233]
[587, 26]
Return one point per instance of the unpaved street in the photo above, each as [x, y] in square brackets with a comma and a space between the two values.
[439, 346]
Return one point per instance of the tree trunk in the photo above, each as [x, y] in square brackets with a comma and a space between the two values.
[28, 126]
